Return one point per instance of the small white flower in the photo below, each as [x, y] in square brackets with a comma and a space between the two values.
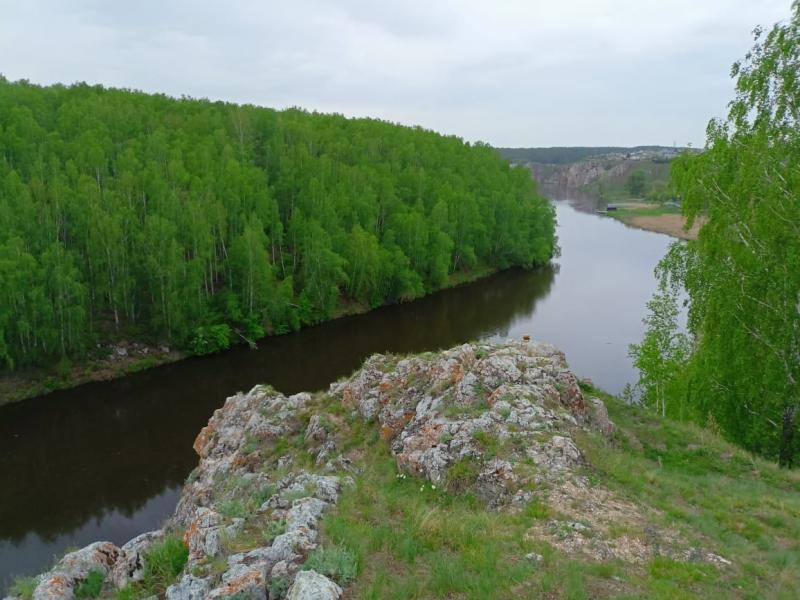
[433, 487]
[422, 488]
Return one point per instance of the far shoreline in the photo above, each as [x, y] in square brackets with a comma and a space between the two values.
[34, 383]
[657, 218]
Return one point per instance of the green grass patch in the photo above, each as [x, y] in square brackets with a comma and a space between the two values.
[334, 562]
[92, 585]
[23, 586]
[651, 211]
[232, 509]
[163, 563]
[719, 497]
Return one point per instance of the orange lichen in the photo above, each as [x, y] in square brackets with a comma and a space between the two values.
[457, 374]
[387, 432]
[200, 445]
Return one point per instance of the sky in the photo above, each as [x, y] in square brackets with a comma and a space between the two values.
[506, 72]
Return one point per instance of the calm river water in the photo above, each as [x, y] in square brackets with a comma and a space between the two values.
[106, 460]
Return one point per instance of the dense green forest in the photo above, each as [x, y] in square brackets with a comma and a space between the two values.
[738, 366]
[125, 215]
[569, 154]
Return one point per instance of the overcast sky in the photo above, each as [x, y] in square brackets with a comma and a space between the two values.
[512, 73]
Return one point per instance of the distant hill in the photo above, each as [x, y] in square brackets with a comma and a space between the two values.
[601, 171]
[569, 154]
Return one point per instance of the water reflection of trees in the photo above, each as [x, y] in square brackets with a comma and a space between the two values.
[76, 455]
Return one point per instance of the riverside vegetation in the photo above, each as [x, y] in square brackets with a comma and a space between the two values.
[737, 367]
[128, 217]
[487, 470]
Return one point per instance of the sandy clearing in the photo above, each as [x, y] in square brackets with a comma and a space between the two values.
[671, 224]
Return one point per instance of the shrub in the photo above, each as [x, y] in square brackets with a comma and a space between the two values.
[336, 562]
[207, 340]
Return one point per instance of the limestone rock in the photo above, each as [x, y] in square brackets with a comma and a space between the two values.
[73, 568]
[599, 416]
[188, 588]
[486, 410]
[129, 566]
[310, 585]
[316, 432]
[202, 534]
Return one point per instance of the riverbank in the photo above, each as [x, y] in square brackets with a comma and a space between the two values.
[122, 359]
[657, 218]
[486, 470]
[126, 358]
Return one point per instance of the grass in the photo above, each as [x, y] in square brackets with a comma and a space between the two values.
[23, 587]
[92, 585]
[335, 562]
[409, 540]
[719, 496]
[163, 562]
[650, 211]
[233, 509]
[278, 587]
[273, 530]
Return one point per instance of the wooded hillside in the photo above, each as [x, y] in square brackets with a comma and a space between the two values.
[125, 215]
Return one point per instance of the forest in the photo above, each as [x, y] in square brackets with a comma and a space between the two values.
[130, 216]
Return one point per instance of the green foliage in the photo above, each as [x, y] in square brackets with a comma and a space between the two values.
[461, 475]
[92, 585]
[23, 587]
[206, 340]
[274, 529]
[742, 275]
[125, 215]
[636, 183]
[278, 586]
[488, 442]
[335, 562]
[128, 592]
[661, 356]
[164, 561]
[232, 509]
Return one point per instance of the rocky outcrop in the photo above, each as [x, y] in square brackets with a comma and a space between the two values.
[75, 567]
[579, 174]
[496, 420]
[310, 585]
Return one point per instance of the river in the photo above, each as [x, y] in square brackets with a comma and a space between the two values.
[106, 460]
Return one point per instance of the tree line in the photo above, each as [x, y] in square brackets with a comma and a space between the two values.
[738, 366]
[125, 215]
